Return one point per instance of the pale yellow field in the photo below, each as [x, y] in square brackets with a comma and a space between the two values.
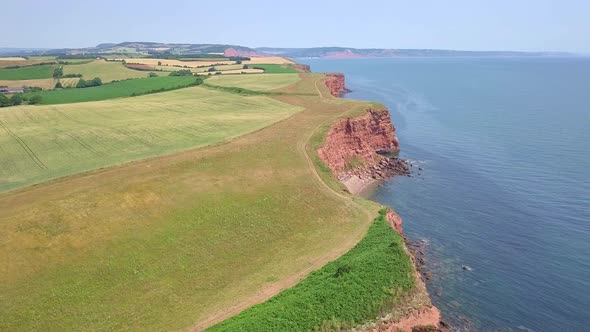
[262, 82]
[107, 71]
[12, 58]
[45, 83]
[235, 71]
[202, 69]
[171, 63]
[272, 60]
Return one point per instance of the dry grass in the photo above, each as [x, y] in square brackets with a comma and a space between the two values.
[107, 71]
[236, 71]
[273, 60]
[39, 143]
[12, 58]
[172, 62]
[164, 243]
[262, 82]
[45, 83]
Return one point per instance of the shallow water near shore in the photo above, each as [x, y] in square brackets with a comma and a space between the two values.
[502, 202]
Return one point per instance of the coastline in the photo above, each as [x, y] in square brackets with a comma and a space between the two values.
[362, 152]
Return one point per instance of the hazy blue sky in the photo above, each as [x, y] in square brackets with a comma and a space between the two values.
[529, 25]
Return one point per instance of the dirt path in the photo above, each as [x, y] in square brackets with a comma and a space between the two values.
[270, 291]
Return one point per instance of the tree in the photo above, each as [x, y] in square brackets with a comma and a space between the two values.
[36, 99]
[182, 72]
[58, 72]
[152, 75]
[58, 85]
[238, 62]
[4, 101]
[16, 99]
[81, 83]
[159, 63]
[245, 67]
[96, 81]
[212, 69]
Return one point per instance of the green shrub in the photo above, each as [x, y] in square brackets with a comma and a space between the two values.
[182, 72]
[355, 288]
[36, 99]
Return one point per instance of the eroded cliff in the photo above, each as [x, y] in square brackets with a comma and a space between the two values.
[360, 150]
[336, 85]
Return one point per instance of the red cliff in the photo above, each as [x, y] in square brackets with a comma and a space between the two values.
[335, 83]
[395, 221]
[301, 67]
[359, 141]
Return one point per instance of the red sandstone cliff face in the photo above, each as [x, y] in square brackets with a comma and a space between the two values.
[335, 83]
[395, 221]
[359, 141]
[301, 67]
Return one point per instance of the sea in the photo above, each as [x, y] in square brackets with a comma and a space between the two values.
[500, 192]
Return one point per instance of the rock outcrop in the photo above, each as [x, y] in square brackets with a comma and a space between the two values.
[336, 85]
[301, 67]
[360, 150]
[395, 221]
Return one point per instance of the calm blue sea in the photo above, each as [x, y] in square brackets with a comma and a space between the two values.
[504, 144]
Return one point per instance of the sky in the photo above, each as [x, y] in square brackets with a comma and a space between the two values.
[518, 25]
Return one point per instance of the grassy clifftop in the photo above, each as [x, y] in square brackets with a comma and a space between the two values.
[357, 287]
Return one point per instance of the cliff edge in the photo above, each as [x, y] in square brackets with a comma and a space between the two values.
[361, 150]
[336, 85]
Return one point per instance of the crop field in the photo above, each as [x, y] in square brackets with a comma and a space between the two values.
[20, 63]
[113, 90]
[38, 143]
[345, 293]
[107, 71]
[261, 82]
[276, 69]
[172, 62]
[176, 242]
[268, 60]
[27, 73]
[12, 58]
[45, 83]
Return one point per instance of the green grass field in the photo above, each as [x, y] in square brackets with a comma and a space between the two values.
[114, 90]
[186, 240]
[175, 242]
[107, 71]
[257, 82]
[38, 143]
[276, 69]
[357, 287]
[27, 73]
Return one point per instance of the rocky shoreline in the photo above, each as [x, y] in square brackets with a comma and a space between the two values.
[362, 151]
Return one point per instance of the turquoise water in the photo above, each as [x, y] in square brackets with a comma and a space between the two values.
[504, 144]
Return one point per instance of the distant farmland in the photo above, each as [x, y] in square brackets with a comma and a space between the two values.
[45, 83]
[27, 73]
[106, 71]
[260, 82]
[114, 90]
[38, 143]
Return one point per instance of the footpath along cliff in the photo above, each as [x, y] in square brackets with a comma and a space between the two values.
[362, 150]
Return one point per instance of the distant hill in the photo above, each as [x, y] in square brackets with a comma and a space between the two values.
[342, 52]
[145, 49]
[140, 49]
